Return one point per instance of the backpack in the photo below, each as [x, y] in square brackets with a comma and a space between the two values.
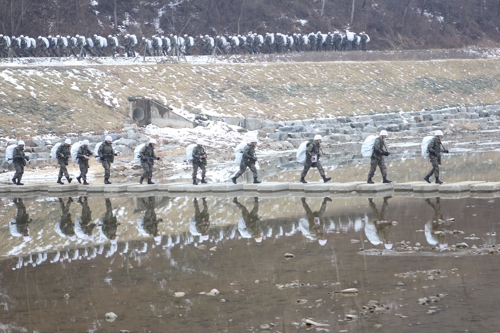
[301, 152]
[189, 152]
[137, 151]
[9, 153]
[53, 151]
[96, 151]
[74, 151]
[367, 147]
[238, 152]
[425, 145]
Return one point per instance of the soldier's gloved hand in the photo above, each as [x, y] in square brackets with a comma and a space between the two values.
[446, 151]
[254, 158]
[157, 158]
[386, 153]
[27, 158]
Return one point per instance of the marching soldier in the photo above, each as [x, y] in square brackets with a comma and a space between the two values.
[19, 162]
[248, 161]
[377, 159]
[200, 223]
[316, 224]
[110, 223]
[435, 148]
[107, 156]
[377, 230]
[86, 223]
[63, 153]
[313, 153]
[251, 221]
[66, 224]
[83, 156]
[199, 161]
[147, 156]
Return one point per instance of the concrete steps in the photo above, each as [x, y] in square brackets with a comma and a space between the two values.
[417, 189]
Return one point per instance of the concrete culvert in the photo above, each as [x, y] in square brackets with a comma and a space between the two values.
[138, 114]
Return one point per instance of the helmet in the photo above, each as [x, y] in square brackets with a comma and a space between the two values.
[384, 132]
[200, 142]
[67, 141]
[322, 242]
[108, 138]
[109, 36]
[22, 36]
[438, 132]
[68, 37]
[85, 142]
[20, 143]
[49, 36]
[95, 35]
[56, 36]
[40, 37]
[251, 140]
[317, 137]
[77, 36]
[153, 141]
[258, 239]
[388, 246]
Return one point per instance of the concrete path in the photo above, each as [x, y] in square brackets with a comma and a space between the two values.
[271, 189]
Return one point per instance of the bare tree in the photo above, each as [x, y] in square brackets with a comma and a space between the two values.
[352, 11]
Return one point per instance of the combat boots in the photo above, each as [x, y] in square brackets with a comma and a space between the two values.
[106, 181]
[326, 179]
[234, 180]
[370, 181]
[85, 182]
[203, 181]
[69, 179]
[141, 180]
[255, 181]
[426, 178]
[194, 181]
[438, 181]
[59, 181]
[19, 182]
[78, 179]
[150, 182]
[386, 181]
[14, 180]
[302, 180]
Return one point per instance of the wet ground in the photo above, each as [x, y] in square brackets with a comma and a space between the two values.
[419, 265]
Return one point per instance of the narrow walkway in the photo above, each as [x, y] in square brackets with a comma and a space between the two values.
[417, 189]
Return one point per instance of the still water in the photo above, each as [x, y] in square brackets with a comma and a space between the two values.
[66, 262]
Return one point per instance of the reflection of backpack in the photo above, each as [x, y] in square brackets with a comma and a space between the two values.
[189, 152]
[425, 145]
[53, 151]
[238, 152]
[301, 152]
[137, 151]
[9, 153]
[367, 147]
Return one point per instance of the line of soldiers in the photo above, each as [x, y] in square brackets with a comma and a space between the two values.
[147, 156]
[174, 45]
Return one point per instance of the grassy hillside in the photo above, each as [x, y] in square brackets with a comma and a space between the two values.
[42, 100]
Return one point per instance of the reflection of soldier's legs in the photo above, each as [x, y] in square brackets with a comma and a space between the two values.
[19, 171]
[107, 169]
[243, 167]
[307, 166]
[63, 171]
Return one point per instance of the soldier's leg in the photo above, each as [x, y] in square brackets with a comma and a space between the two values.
[150, 171]
[195, 171]
[83, 171]
[145, 174]
[252, 168]
[383, 168]
[107, 170]
[19, 171]
[243, 167]
[373, 167]
[307, 166]
[203, 171]
[320, 169]
[433, 163]
[61, 171]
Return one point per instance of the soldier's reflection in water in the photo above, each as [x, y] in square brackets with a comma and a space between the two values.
[249, 223]
[109, 223]
[434, 229]
[200, 222]
[313, 227]
[150, 221]
[377, 230]
[19, 225]
[66, 227]
[84, 225]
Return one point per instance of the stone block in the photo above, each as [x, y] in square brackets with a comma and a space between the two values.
[268, 129]
[273, 187]
[344, 187]
[278, 136]
[227, 187]
[232, 121]
[250, 187]
[485, 187]
[252, 124]
[92, 188]
[6, 188]
[295, 187]
[425, 187]
[200, 188]
[317, 187]
[457, 187]
[142, 188]
[377, 187]
[62, 188]
[118, 188]
[407, 186]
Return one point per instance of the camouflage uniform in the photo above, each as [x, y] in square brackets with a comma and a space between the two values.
[22, 218]
[53, 46]
[62, 47]
[86, 224]
[3, 47]
[109, 222]
[199, 162]
[312, 41]
[150, 219]
[313, 149]
[202, 218]
[107, 156]
[63, 153]
[248, 161]
[252, 220]
[112, 45]
[434, 149]
[316, 222]
[19, 164]
[147, 155]
[364, 38]
[377, 159]
[83, 162]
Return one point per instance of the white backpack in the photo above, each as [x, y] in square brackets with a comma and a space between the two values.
[9, 153]
[301, 152]
[74, 151]
[137, 150]
[238, 152]
[367, 147]
[53, 151]
[189, 152]
[96, 151]
[425, 145]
